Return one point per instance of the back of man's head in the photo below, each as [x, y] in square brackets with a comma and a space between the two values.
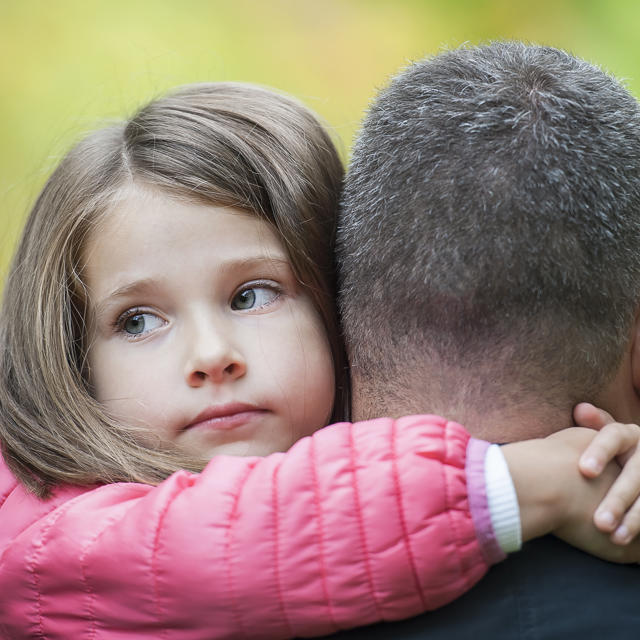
[489, 246]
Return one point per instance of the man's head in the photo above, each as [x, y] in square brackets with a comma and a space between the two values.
[490, 237]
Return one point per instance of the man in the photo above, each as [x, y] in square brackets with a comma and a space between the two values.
[490, 258]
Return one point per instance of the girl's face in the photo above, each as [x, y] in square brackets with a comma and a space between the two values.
[199, 330]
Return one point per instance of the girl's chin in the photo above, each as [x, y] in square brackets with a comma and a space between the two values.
[207, 445]
[240, 448]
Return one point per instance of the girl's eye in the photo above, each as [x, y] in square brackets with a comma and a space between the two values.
[254, 297]
[136, 324]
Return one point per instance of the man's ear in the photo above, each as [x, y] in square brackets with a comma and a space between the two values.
[635, 354]
[621, 396]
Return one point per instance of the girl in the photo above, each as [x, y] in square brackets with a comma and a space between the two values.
[172, 300]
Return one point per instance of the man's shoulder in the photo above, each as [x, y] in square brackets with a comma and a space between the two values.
[547, 590]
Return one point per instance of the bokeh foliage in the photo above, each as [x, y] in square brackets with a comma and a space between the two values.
[66, 66]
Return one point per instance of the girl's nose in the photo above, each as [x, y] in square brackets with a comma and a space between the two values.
[213, 358]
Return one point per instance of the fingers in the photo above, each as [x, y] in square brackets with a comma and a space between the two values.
[613, 440]
[630, 526]
[589, 539]
[630, 553]
[587, 415]
[619, 512]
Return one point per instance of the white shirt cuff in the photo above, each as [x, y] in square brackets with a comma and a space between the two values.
[503, 501]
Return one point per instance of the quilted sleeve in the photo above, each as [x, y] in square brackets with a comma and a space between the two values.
[356, 524]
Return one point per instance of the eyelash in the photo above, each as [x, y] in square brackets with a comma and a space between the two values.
[276, 288]
[118, 325]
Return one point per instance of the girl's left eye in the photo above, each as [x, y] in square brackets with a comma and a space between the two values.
[254, 297]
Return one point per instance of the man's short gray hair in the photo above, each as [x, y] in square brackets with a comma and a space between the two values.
[492, 217]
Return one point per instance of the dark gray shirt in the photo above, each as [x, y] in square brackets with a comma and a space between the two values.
[546, 591]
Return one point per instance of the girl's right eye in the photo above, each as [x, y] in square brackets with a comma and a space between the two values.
[138, 323]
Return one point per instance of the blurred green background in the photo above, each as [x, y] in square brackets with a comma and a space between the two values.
[67, 65]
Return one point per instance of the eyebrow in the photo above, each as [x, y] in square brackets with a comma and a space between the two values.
[253, 262]
[144, 285]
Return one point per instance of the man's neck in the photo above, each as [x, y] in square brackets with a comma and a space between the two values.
[506, 420]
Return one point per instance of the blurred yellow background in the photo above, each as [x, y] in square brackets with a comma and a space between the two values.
[68, 65]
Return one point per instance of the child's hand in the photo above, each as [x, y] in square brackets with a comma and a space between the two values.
[561, 500]
[619, 512]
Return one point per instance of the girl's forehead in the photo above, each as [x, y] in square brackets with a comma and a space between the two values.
[149, 232]
[146, 212]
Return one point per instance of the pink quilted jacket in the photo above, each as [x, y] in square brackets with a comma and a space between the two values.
[355, 524]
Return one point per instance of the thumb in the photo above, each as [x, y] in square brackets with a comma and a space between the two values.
[587, 415]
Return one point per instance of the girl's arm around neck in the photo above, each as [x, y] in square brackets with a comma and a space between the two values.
[355, 524]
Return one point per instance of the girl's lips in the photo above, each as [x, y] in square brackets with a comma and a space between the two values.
[227, 416]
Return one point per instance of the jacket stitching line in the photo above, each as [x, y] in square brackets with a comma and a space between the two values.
[459, 554]
[227, 552]
[36, 583]
[40, 545]
[91, 594]
[276, 549]
[401, 512]
[3, 499]
[154, 562]
[361, 527]
[321, 536]
[12, 542]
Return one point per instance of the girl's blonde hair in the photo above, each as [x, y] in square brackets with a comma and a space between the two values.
[224, 144]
